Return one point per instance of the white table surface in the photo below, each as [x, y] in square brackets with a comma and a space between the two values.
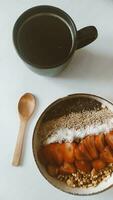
[90, 71]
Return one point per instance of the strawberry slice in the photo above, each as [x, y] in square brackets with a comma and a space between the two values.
[67, 168]
[100, 142]
[68, 152]
[109, 139]
[98, 164]
[89, 143]
[107, 155]
[52, 170]
[84, 166]
[53, 154]
[79, 155]
[84, 151]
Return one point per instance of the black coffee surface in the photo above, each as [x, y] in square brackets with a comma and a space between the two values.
[45, 40]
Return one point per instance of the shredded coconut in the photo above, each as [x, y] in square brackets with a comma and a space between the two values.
[77, 125]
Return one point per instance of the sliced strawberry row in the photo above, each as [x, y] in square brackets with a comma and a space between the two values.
[92, 152]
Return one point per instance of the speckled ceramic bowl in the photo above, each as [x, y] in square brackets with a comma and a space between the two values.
[75, 102]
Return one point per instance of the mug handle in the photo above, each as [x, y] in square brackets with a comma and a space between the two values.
[86, 36]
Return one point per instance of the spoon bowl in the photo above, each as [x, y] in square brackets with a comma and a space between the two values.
[26, 106]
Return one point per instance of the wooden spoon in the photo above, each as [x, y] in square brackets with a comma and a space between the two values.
[26, 108]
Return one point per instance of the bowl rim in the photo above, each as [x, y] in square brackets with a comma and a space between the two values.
[33, 138]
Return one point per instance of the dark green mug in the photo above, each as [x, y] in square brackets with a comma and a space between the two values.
[46, 37]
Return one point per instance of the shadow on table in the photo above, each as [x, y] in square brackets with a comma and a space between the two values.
[88, 65]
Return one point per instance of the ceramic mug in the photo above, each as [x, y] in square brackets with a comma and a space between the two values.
[54, 40]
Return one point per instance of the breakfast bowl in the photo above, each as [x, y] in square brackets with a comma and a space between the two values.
[90, 171]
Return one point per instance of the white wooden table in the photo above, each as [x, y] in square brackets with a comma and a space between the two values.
[90, 71]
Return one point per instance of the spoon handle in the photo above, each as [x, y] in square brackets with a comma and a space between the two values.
[19, 144]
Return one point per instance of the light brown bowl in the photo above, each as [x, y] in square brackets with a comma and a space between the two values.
[71, 103]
